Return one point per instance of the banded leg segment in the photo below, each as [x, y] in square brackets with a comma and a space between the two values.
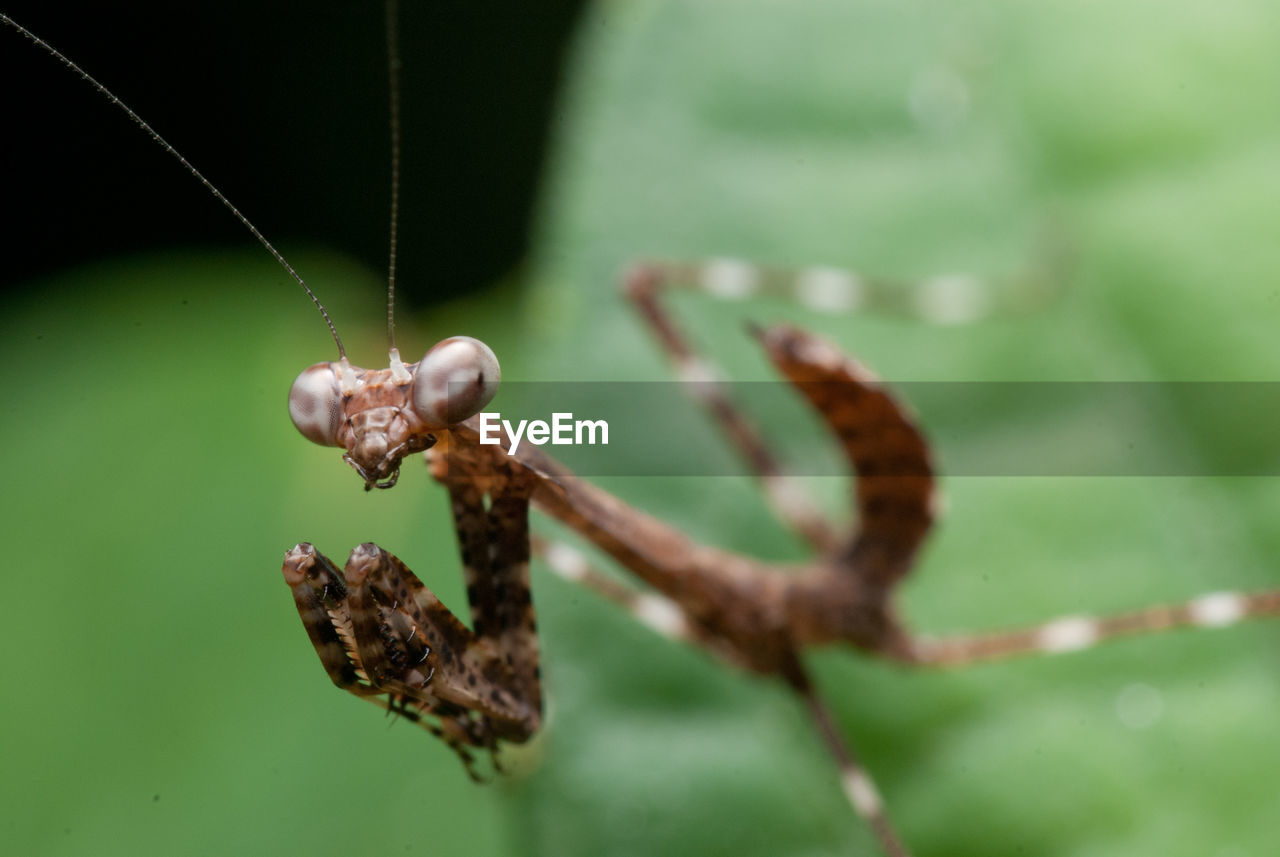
[894, 492]
[652, 609]
[320, 594]
[471, 522]
[944, 298]
[516, 635]
[1075, 633]
[643, 286]
[859, 788]
[494, 545]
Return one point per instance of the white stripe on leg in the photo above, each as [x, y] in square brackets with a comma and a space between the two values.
[829, 290]
[732, 279]
[1216, 609]
[651, 609]
[1069, 634]
[861, 792]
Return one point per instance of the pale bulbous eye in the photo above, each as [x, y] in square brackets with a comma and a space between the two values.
[315, 404]
[456, 378]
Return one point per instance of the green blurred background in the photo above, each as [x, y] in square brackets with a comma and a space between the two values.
[162, 697]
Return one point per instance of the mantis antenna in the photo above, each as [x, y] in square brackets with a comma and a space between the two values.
[164, 144]
[393, 90]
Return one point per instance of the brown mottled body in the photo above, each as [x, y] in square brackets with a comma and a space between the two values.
[402, 641]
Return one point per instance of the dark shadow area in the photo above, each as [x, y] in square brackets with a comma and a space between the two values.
[284, 108]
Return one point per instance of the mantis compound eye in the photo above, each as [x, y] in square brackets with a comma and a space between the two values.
[315, 404]
[455, 379]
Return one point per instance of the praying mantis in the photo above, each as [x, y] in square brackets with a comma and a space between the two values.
[942, 567]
